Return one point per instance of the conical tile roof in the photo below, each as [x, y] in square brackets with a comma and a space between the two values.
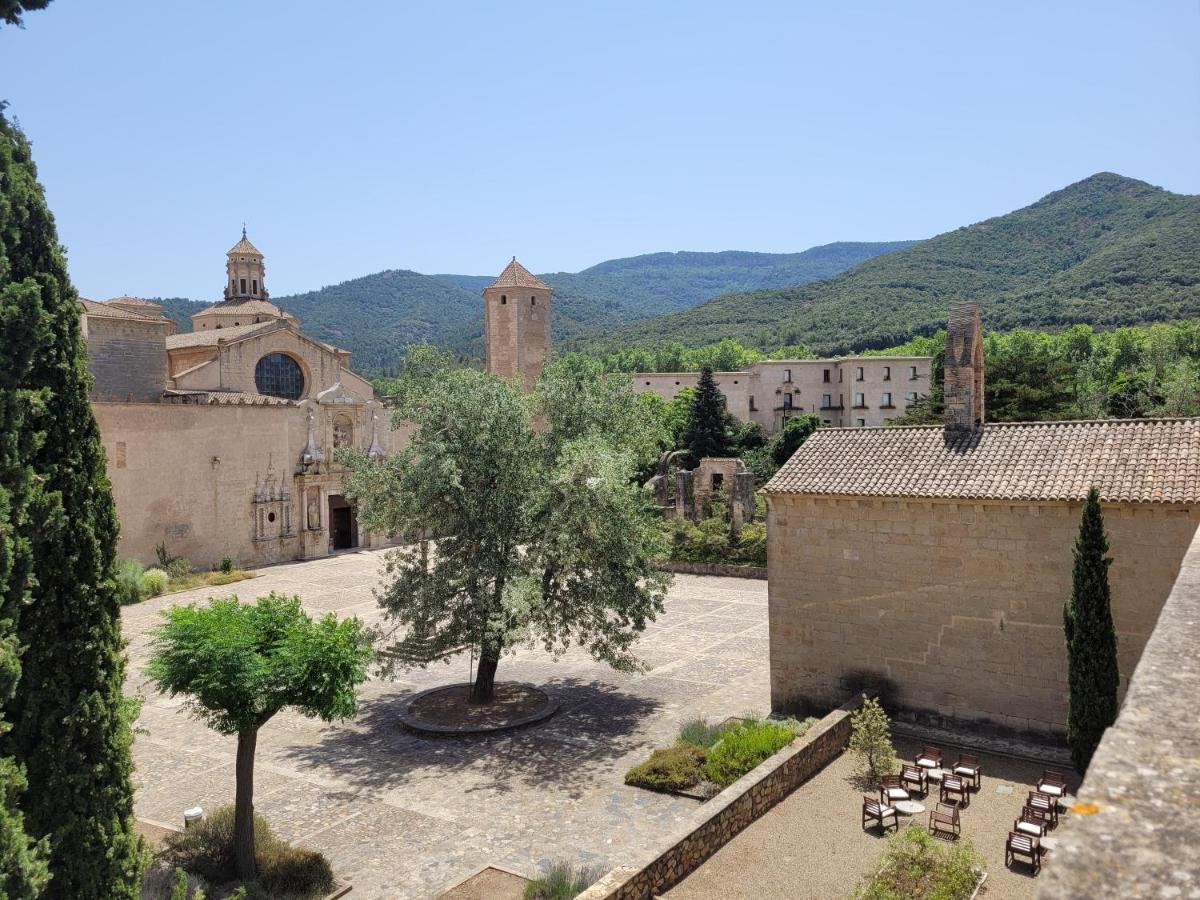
[516, 275]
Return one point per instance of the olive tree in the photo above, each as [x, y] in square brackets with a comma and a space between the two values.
[541, 533]
[240, 664]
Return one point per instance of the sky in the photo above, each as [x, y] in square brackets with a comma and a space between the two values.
[449, 136]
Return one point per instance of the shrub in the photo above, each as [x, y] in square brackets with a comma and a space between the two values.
[744, 746]
[284, 870]
[918, 866]
[752, 544]
[129, 580]
[699, 733]
[674, 768]
[206, 849]
[179, 567]
[154, 582]
[226, 565]
[562, 880]
[871, 740]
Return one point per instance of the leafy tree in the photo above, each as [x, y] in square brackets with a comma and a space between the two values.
[240, 664]
[871, 739]
[1092, 673]
[12, 11]
[542, 534]
[71, 722]
[707, 432]
[796, 430]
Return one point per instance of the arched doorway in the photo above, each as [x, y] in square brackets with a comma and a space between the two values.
[343, 523]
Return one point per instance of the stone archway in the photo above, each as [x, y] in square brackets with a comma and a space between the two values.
[343, 523]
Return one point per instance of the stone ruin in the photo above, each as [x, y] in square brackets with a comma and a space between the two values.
[685, 493]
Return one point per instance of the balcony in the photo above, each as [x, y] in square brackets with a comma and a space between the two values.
[832, 406]
[860, 406]
[886, 406]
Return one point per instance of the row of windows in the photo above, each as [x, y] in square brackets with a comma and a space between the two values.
[242, 282]
[504, 300]
[860, 401]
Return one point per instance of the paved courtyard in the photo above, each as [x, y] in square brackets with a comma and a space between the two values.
[403, 815]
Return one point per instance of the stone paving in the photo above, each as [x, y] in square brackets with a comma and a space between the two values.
[402, 815]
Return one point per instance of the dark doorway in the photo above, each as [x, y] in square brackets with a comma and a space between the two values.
[343, 524]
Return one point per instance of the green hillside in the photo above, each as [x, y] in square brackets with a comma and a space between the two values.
[1107, 251]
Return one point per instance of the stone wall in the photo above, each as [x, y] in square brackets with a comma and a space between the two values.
[127, 358]
[716, 822]
[951, 611]
[1143, 784]
[727, 570]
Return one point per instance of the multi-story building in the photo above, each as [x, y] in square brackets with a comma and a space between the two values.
[851, 391]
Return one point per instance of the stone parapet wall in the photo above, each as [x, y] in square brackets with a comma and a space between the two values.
[951, 610]
[716, 822]
[727, 570]
[1142, 788]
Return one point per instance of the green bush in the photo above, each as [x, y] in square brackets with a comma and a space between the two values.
[154, 582]
[699, 733]
[206, 849]
[752, 544]
[129, 580]
[226, 565]
[674, 768]
[292, 871]
[562, 880]
[917, 866]
[744, 746]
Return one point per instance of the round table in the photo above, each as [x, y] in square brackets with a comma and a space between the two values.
[935, 774]
[909, 807]
[1049, 843]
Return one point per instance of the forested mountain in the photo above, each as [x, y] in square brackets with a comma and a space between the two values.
[377, 316]
[1107, 251]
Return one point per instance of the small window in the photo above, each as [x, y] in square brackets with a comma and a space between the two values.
[826, 376]
[840, 374]
[533, 301]
[912, 372]
[912, 397]
[735, 381]
[826, 401]
[254, 285]
[677, 383]
[647, 384]
[887, 398]
[753, 408]
[887, 373]
[787, 374]
[859, 401]
[237, 323]
[858, 374]
[243, 285]
[861, 423]
[270, 517]
[503, 300]
[787, 401]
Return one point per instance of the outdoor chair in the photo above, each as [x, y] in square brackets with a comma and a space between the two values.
[874, 811]
[1023, 845]
[1025, 826]
[968, 767]
[944, 817]
[954, 788]
[1037, 816]
[1052, 783]
[892, 790]
[914, 778]
[929, 758]
[1045, 803]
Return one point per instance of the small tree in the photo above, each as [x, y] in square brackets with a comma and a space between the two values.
[241, 664]
[796, 430]
[707, 432]
[871, 739]
[1092, 673]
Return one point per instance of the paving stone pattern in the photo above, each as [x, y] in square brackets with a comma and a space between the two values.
[402, 815]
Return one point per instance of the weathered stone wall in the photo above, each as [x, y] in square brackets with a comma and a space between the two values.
[1143, 784]
[717, 821]
[722, 569]
[127, 358]
[517, 332]
[950, 610]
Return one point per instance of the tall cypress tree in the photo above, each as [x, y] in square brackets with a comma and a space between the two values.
[1092, 673]
[71, 721]
[706, 433]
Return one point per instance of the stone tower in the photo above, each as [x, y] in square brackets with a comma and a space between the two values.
[964, 369]
[517, 324]
[245, 272]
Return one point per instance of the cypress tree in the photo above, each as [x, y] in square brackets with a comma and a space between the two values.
[706, 433]
[71, 722]
[1092, 673]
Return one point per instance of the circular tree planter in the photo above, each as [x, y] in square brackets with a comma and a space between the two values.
[447, 710]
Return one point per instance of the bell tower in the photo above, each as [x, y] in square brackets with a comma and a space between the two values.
[245, 272]
[517, 324]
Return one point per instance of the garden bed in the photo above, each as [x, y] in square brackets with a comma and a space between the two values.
[448, 710]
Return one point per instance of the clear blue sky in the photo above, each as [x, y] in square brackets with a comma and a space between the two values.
[445, 137]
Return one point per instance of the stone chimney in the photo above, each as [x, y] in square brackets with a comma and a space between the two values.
[964, 369]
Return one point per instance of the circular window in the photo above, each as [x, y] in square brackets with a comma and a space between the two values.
[278, 375]
[270, 517]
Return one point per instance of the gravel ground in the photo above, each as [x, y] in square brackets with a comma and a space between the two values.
[812, 844]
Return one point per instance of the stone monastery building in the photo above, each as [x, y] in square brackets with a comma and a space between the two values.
[221, 441]
[932, 563]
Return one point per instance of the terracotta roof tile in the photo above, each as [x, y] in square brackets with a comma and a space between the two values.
[516, 275]
[225, 398]
[209, 336]
[1129, 460]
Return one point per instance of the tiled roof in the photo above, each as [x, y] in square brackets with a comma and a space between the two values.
[208, 337]
[246, 308]
[516, 275]
[106, 311]
[243, 246]
[1129, 460]
[226, 398]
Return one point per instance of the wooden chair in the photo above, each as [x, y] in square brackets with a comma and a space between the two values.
[968, 767]
[944, 817]
[892, 790]
[1037, 816]
[1046, 804]
[1052, 783]
[954, 788]
[914, 778]
[873, 810]
[930, 757]
[1025, 826]
[1026, 845]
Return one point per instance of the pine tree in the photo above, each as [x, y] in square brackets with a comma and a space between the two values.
[706, 433]
[71, 722]
[871, 740]
[1092, 673]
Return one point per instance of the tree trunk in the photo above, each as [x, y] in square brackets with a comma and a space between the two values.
[243, 816]
[484, 689]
